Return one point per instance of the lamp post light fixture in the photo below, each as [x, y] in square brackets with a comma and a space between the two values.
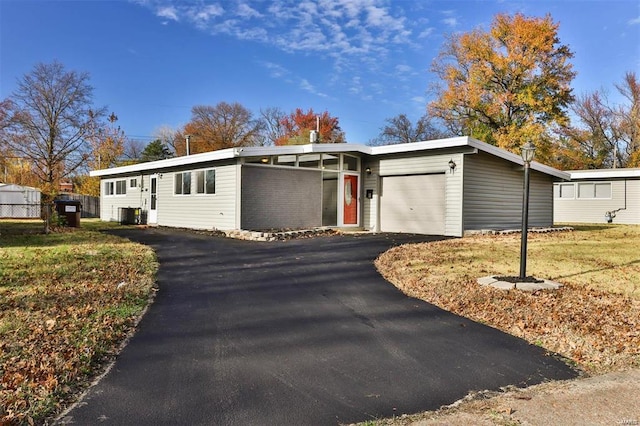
[528, 152]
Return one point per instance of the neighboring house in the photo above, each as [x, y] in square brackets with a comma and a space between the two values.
[442, 187]
[598, 196]
[66, 187]
[19, 202]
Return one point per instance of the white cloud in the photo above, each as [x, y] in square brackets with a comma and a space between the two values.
[426, 32]
[634, 21]
[404, 69]
[335, 27]
[419, 100]
[207, 12]
[247, 12]
[308, 87]
[346, 33]
[451, 22]
[168, 12]
[275, 70]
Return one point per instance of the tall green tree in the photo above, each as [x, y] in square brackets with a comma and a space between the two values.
[506, 86]
[155, 150]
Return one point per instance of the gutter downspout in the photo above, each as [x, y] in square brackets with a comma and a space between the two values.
[608, 216]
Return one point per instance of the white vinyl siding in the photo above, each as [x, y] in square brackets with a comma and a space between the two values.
[215, 211]
[114, 196]
[592, 209]
[493, 190]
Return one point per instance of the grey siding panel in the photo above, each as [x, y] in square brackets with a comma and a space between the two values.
[199, 211]
[280, 198]
[415, 164]
[493, 190]
[593, 210]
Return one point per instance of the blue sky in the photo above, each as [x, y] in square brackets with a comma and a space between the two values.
[150, 61]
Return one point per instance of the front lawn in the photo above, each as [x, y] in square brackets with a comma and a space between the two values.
[594, 320]
[67, 302]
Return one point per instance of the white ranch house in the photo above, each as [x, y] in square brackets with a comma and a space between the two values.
[441, 187]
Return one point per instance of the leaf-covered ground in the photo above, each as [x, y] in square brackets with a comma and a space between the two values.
[67, 301]
[594, 320]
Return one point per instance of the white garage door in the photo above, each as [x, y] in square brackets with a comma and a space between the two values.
[413, 204]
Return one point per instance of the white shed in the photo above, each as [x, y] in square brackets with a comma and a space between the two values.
[19, 202]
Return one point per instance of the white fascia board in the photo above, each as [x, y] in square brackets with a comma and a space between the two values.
[230, 153]
[604, 173]
[471, 142]
[302, 149]
[420, 146]
[224, 154]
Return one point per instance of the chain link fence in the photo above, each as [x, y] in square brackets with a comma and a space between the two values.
[20, 211]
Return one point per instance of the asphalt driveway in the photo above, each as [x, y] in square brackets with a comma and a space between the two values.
[298, 332]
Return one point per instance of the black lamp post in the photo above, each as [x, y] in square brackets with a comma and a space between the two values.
[528, 152]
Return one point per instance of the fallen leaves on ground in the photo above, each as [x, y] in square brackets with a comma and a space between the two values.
[62, 315]
[598, 330]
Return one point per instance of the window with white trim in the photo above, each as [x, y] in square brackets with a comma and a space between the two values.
[182, 183]
[108, 188]
[133, 183]
[206, 181]
[565, 190]
[121, 187]
[589, 190]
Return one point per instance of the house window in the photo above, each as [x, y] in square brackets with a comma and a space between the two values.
[349, 163]
[121, 187]
[330, 162]
[565, 190]
[594, 190]
[108, 188]
[133, 183]
[183, 183]
[206, 181]
[309, 160]
[603, 190]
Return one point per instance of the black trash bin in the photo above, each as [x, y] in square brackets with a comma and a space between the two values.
[70, 210]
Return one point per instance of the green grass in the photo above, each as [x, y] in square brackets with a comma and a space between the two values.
[592, 320]
[62, 311]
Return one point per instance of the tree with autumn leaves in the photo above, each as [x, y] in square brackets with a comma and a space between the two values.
[505, 86]
[231, 125]
[604, 135]
[297, 127]
[512, 84]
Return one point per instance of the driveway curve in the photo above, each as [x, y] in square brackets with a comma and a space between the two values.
[303, 332]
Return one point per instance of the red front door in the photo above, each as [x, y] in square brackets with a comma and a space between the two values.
[350, 211]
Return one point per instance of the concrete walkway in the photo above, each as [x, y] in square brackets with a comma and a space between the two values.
[608, 399]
